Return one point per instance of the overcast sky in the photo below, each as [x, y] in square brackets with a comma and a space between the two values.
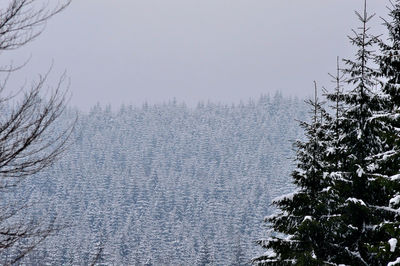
[131, 51]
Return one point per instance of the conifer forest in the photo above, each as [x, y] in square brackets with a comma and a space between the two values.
[273, 180]
[165, 184]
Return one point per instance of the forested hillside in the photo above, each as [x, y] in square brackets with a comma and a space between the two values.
[165, 184]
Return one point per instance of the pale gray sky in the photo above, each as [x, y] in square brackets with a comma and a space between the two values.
[131, 51]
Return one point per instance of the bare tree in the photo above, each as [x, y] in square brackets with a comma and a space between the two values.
[22, 21]
[27, 143]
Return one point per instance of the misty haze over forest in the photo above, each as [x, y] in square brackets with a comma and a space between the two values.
[185, 133]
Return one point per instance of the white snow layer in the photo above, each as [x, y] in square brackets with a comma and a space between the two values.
[354, 200]
[285, 197]
[395, 201]
[393, 244]
[395, 177]
[327, 189]
[360, 172]
[270, 253]
[372, 167]
[272, 216]
[330, 150]
[396, 262]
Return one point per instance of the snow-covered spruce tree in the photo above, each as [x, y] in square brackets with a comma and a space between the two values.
[356, 182]
[359, 223]
[299, 231]
[387, 163]
[365, 235]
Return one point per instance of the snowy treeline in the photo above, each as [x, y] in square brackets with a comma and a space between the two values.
[166, 184]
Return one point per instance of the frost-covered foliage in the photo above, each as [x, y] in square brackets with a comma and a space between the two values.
[167, 184]
[299, 229]
[346, 208]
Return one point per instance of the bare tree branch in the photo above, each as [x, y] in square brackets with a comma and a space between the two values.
[24, 20]
[29, 141]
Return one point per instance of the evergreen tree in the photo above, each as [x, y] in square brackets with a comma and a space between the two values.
[205, 256]
[239, 258]
[357, 222]
[388, 161]
[299, 227]
[389, 62]
[357, 183]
